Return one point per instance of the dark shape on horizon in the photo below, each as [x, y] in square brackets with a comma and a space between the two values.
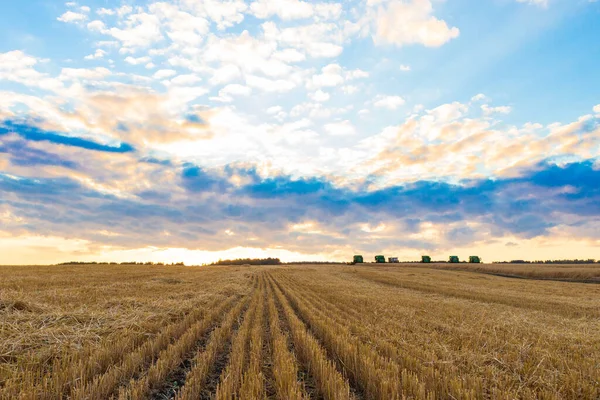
[474, 259]
[358, 259]
[575, 261]
[393, 260]
[380, 259]
[425, 259]
[453, 259]
[249, 261]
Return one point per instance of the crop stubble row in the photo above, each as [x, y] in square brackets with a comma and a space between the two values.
[295, 335]
[459, 353]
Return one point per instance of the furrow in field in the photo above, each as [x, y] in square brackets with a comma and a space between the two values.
[498, 369]
[375, 376]
[105, 385]
[206, 362]
[267, 367]
[209, 388]
[287, 386]
[305, 377]
[169, 370]
[253, 380]
[346, 314]
[81, 368]
[441, 378]
[330, 382]
[438, 380]
[232, 378]
[421, 327]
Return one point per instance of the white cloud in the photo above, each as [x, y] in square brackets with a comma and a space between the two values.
[138, 60]
[314, 110]
[324, 50]
[349, 89]
[107, 43]
[19, 67]
[487, 110]
[356, 74]
[124, 10]
[274, 110]
[181, 27]
[140, 30]
[250, 54]
[479, 97]
[328, 10]
[319, 40]
[331, 75]
[343, 128]
[294, 9]
[389, 102]
[426, 145]
[404, 23]
[541, 3]
[105, 11]
[284, 9]
[99, 53]
[97, 26]
[319, 96]
[289, 56]
[164, 73]
[448, 112]
[236, 90]
[16, 59]
[269, 85]
[224, 13]
[597, 109]
[71, 16]
[418, 108]
[228, 92]
[185, 80]
[404, 68]
[225, 74]
[84, 73]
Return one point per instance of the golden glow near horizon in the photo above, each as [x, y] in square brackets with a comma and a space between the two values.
[34, 250]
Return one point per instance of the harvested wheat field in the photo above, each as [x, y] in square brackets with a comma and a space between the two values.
[294, 332]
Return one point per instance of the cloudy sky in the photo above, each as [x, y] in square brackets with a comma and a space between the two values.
[192, 130]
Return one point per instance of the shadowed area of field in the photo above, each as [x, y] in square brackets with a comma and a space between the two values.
[299, 332]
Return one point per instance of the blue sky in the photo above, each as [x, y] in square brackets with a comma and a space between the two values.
[197, 130]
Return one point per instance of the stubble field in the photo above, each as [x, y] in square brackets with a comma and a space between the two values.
[295, 332]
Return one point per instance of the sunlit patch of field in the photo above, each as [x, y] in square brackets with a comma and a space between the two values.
[301, 332]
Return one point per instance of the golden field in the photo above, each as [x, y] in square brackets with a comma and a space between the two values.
[299, 332]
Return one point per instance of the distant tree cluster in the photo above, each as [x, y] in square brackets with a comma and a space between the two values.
[576, 261]
[249, 261]
[114, 263]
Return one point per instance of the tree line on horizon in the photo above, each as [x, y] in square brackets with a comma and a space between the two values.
[121, 263]
[248, 261]
[575, 261]
[277, 261]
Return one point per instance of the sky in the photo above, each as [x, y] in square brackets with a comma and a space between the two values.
[194, 130]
